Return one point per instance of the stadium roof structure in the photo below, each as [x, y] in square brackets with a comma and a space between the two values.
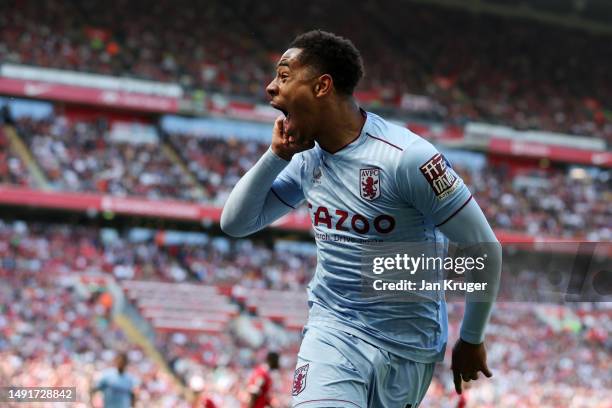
[591, 15]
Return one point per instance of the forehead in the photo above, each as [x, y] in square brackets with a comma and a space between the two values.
[290, 58]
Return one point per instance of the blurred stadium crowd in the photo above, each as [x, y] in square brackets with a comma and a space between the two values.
[81, 156]
[497, 71]
[55, 331]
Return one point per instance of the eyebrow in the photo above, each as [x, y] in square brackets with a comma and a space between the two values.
[283, 63]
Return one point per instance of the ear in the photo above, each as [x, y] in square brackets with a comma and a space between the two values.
[323, 86]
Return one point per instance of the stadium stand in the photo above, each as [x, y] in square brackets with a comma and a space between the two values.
[565, 345]
[82, 156]
[211, 306]
[12, 168]
[56, 332]
[522, 344]
[496, 71]
[552, 202]
[180, 307]
[285, 307]
[218, 163]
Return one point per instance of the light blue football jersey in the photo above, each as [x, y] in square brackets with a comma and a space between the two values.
[389, 185]
[117, 388]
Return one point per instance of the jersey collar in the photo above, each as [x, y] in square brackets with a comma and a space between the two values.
[354, 143]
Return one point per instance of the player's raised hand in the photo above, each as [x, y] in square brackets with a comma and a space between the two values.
[468, 359]
[284, 145]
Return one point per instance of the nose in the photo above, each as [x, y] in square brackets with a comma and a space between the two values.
[272, 89]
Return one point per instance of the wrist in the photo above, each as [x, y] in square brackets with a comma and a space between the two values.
[470, 343]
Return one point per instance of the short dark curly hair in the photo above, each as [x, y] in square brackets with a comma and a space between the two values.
[331, 54]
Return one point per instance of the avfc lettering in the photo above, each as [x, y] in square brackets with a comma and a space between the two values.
[342, 220]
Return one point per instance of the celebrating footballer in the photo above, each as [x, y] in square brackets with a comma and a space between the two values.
[363, 180]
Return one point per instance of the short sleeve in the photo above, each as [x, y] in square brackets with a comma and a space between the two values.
[427, 181]
[134, 382]
[288, 184]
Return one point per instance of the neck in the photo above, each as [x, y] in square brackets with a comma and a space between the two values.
[342, 125]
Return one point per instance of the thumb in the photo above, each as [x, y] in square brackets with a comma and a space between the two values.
[278, 123]
[457, 381]
[485, 370]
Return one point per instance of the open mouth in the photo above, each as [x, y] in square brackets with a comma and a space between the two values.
[287, 121]
[280, 108]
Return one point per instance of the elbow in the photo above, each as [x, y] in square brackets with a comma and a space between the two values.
[234, 233]
[232, 226]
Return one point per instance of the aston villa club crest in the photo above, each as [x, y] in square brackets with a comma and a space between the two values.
[369, 183]
[299, 380]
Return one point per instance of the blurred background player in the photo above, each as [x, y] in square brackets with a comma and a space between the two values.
[203, 394]
[117, 385]
[260, 383]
